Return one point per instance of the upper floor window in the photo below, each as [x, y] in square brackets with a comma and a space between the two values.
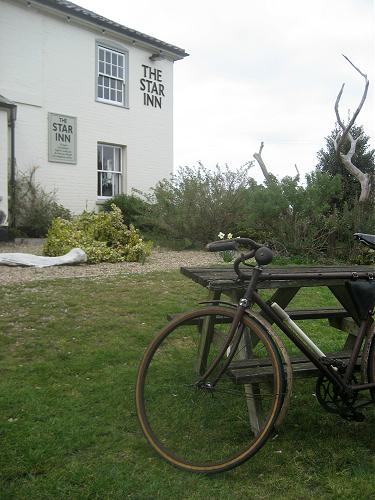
[111, 76]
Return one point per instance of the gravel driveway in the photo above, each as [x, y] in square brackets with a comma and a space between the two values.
[160, 260]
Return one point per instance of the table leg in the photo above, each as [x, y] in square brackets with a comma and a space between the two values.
[206, 334]
[252, 391]
[346, 324]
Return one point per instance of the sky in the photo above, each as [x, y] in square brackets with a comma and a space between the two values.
[259, 70]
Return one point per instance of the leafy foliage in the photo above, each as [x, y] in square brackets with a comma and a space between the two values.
[293, 219]
[103, 236]
[194, 205]
[134, 209]
[311, 220]
[34, 208]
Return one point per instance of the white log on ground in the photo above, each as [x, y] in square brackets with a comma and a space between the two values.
[75, 256]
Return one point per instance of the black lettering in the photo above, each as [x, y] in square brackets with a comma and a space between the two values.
[161, 89]
[157, 102]
[70, 129]
[62, 137]
[142, 84]
[54, 127]
[152, 73]
[154, 88]
[145, 70]
[150, 100]
[158, 75]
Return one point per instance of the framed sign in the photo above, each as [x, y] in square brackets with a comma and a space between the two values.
[62, 138]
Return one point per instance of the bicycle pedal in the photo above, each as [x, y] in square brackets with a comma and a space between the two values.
[337, 363]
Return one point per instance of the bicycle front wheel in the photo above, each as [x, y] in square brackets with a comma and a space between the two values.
[197, 427]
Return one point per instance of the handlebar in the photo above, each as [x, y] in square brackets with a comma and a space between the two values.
[263, 255]
[233, 244]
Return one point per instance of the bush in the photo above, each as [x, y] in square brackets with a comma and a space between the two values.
[193, 206]
[293, 219]
[134, 210]
[34, 209]
[103, 236]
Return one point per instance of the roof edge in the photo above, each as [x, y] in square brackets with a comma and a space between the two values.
[6, 103]
[74, 10]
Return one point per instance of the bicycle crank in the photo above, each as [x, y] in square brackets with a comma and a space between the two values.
[333, 401]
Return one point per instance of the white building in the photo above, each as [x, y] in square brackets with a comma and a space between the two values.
[89, 101]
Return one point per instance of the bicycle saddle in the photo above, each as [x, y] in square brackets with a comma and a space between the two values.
[367, 239]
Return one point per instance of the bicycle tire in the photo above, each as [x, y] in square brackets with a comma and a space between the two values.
[200, 430]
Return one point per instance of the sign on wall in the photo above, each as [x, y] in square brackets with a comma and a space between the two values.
[62, 138]
[152, 86]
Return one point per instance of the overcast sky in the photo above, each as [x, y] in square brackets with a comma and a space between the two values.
[258, 70]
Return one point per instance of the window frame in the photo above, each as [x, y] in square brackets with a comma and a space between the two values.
[119, 172]
[117, 49]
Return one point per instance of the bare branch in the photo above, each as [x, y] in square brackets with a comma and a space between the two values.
[339, 121]
[362, 178]
[356, 113]
[354, 66]
[259, 159]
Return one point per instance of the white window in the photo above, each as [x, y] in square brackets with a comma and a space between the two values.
[111, 76]
[109, 170]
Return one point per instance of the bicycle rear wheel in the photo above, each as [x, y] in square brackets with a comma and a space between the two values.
[201, 429]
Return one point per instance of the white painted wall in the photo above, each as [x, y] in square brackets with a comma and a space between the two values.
[48, 65]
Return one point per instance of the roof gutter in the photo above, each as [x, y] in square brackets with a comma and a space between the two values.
[74, 11]
[11, 108]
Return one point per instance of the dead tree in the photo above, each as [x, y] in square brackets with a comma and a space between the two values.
[259, 159]
[346, 158]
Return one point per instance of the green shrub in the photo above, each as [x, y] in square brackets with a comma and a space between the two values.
[103, 236]
[34, 208]
[193, 206]
[293, 219]
[134, 209]
[360, 218]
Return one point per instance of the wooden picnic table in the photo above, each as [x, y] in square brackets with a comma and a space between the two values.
[221, 281]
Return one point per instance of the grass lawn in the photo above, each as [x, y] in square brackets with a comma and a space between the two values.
[69, 354]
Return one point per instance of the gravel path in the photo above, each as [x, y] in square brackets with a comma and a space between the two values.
[160, 260]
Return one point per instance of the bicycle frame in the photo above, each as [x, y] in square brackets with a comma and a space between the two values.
[331, 372]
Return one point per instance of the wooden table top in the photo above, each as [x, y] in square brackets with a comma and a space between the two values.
[224, 277]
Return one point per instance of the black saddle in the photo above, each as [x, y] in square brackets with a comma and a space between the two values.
[367, 239]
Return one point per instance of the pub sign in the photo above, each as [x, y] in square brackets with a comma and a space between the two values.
[62, 138]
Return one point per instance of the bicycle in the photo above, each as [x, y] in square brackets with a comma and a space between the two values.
[196, 415]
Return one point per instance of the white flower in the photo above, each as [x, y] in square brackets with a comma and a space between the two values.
[230, 236]
[221, 236]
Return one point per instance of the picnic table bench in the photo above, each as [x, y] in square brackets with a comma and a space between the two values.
[221, 281]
